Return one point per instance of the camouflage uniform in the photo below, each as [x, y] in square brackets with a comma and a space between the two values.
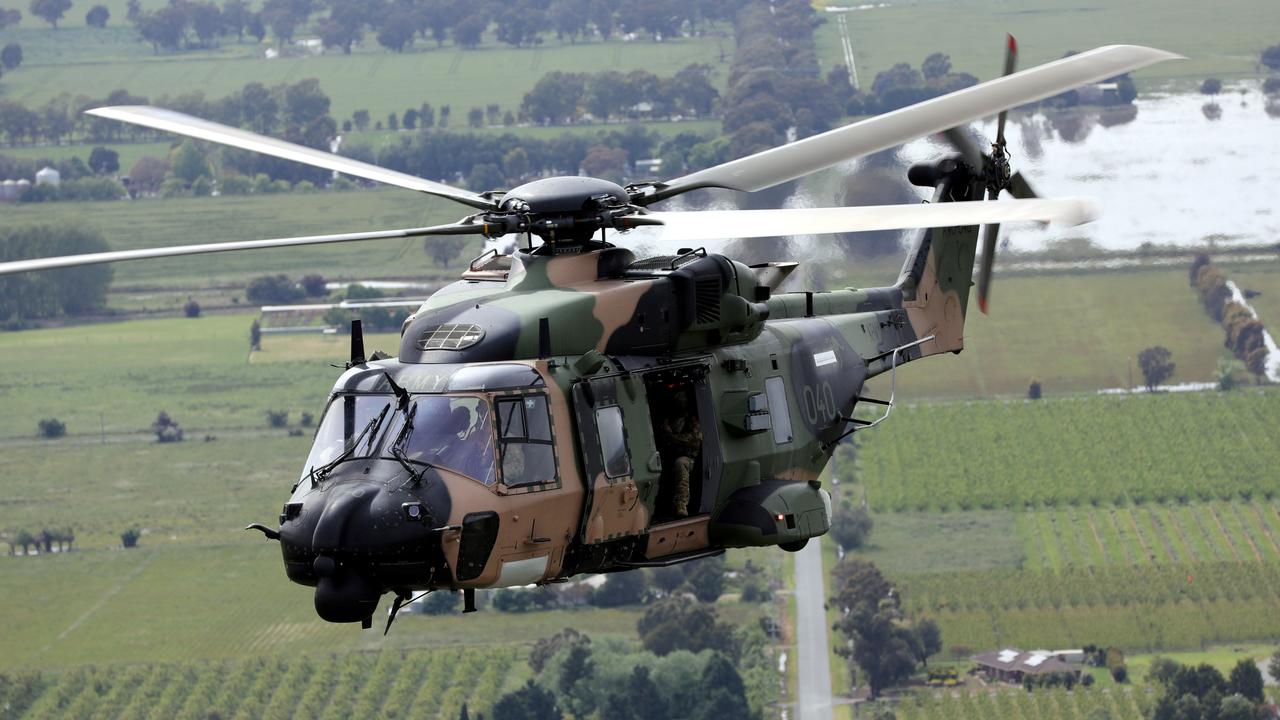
[685, 436]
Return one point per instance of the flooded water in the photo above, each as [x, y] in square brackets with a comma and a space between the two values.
[1167, 174]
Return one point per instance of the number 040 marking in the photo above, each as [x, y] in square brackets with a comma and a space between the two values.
[819, 404]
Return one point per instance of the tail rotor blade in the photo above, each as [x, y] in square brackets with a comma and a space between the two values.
[1020, 188]
[1010, 63]
[963, 141]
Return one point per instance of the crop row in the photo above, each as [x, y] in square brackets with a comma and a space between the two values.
[389, 684]
[1120, 704]
[1115, 585]
[1101, 451]
[1067, 537]
[1185, 625]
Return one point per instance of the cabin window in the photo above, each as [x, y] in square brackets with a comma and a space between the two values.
[776, 390]
[613, 442]
[524, 428]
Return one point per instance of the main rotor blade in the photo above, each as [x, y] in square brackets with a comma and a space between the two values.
[724, 224]
[788, 162]
[963, 141]
[180, 124]
[50, 263]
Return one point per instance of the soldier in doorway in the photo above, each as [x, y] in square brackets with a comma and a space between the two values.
[683, 438]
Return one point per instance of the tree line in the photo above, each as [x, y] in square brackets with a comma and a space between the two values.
[568, 97]
[398, 24]
[45, 541]
[1244, 331]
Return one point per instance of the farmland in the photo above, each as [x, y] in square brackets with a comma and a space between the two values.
[390, 683]
[78, 60]
[1077, 451]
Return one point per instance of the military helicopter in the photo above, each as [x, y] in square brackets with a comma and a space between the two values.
[571, 409]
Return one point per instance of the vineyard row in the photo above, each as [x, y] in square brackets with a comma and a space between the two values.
[387, 684]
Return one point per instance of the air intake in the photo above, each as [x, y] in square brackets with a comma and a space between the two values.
[451, 336]
[706, 297]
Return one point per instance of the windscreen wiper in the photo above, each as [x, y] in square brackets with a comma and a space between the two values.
[319, 475]
[397, 448]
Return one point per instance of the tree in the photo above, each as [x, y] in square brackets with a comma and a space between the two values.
[619, 589]
[104, 161]
[1273, 665]
[475, 117]
[1271, 57]
[361, 119]
[469, 30]
[51, 11]
[1157, 365]
[444, 249]
[674, 624]
[928, 640]
[851, 526]
[936, 66]
[1211, 86]
[530, 702]
[1236, 707]
[705, 579]
[396, 32]
[191, 309]
[410, 120]
[187, 163]
[577, 668]
[9, 17]
[546, 648]
[1034, 390]
[11, 56]
[1246, 680]
[71, 291]
[129, 538]
[484, 176]
[255, 336]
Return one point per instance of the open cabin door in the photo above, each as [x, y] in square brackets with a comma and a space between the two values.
[618, 454]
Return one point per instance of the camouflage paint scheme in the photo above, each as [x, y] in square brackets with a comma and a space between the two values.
[596, 330]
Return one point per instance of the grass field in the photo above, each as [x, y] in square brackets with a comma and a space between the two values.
[115, 377]
[972, 33]
[1077, 451]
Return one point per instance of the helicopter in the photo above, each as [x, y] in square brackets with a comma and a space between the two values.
[570, 408]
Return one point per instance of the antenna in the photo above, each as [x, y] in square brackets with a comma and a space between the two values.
[357, 343]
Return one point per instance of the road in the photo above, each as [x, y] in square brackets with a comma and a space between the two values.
[814, 668]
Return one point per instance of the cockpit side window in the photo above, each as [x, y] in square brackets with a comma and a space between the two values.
[524, 428]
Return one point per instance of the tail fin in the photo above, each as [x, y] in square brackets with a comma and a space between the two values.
[938, 273]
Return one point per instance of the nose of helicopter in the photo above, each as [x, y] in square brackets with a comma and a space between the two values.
[359, 534]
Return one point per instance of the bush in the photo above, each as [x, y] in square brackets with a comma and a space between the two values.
[277, 418]
[235, 185]
[314, 286]
[851, 527]
[306, 419]
[273, 289]
[129, 538]
[52, 428]
[191, 309]
[166, 429]
[1120, 673]
[1033, 390]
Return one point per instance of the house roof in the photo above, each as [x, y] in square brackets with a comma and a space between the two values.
[1036, 662]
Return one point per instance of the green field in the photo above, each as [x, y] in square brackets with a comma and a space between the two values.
[1077, 451]
[972, 33]
[148, 223]
[78, 60]
[1120, 704]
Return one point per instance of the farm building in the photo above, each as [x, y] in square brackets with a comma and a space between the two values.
[1010, 665]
